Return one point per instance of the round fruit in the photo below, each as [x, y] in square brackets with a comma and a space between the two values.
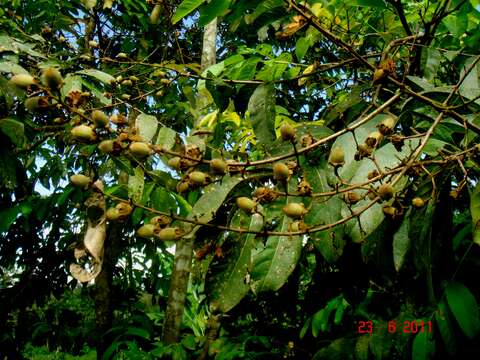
[155, 15]
[352, 197]
[106, 146]
[174, 163]
[80, 180]
[139, 149]
[246, 204]
[52, 78]
[288, 132]
[280, 171]
[390, 211]
[22, 80]
[385, 191]
[83, 133]
[112, 214]
[36, 103]
[373, 139]
[337, 157]
[386, 126]
[127, 82]
[124, 209]
[379, 75]
[167, 234]
[99, 118]
[295, 210]
[146, 231]
[218, 166]
[160, 220]
[418, 202]
[197, 177]
[182, 187]
[126, 97]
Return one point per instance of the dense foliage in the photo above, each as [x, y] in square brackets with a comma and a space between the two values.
[316, 187]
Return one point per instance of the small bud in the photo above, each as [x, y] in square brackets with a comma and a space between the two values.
[83, 133]
[287, 132]
[80, 181]
[100, 119]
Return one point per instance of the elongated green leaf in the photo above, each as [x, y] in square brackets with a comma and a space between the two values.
[185, 8]
[231, 285]
[423, 346]
[475, 211]
[10, 67]
[380, 4]
[361, 348]
[212, 10]
[445, 325]
[262, 114]
[464, 308]
[147, 126]
[97, 74]
[7, 217]
[136, 184]
[401, 242]
[71, 83]
[13, 129]
[166, 137]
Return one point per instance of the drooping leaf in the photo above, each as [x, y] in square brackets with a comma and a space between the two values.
[423, 346]
[97, 74]
[214, 9]
[13, 129]
[262, 113]
[11, 67]
[445, 325]
[146, 126]
[185, 8]
[464, 308]
[401, 242]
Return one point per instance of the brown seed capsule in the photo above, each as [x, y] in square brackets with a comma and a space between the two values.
[80, 181]
[246, 204]
[386, 126]
[22, 80]
[100, 119]
[304, 188]
[197, 177]
[418, 202]
[373, 139]
[390, 211]
[307, 140]
[146, 231]
[287, 132]
[168, 234]
[160, 220]
[139, 149]
[385, 191]
[112, 214]
[182, 187]
[174, 163]
[295, 210]
[36, 103]
[83, 133]
[52, 78]
[127, 82]
[264, 194]
[280, 171]
[352, 197]
[106, 146]
[363, 150]
[337, 157]
[124, 209]
[218, 166]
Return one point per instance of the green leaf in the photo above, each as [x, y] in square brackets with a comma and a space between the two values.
[185, 8]
[423, 346]
[10, 67]
[401, 242]
[445, 325]
[13, 129]
[361, 348]
[8, 43]
[301, 47]
[8, 217]
[97, 74]
[230, 285]
[475, 211]
[214, 9]
[162, 200]
[380, 4]
[262, 113]
[166, 137]
[71, 83]
[136, 184]
[464, 308]
[146, 126]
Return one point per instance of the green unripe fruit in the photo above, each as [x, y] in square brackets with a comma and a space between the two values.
[80, 181]
[160, 220]
[122, 56]
[127, 82]
[100, 119]
[246, 204]
[351, 197]
[112, 214]
[52, 78]
[174, 163]
[390, 211]
[182, 187]
[167, 234]
[139, 149]
[146, 231]
[22, 80]
[125, 97]
[295, 210]
[155, 15]
[337, 157]
[106, 146]
[36, 103]
[197, 177]
[218, 166]
[280, 171]
[418, 202]
[287, 132]
[386, 191]
[386, 126]
[83, 133]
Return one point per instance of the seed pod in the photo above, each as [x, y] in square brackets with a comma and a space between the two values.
[295, 210]
[386, 126]
[80, 181]
[390, 211]
[337, 157]
[122, 55]
[197, 177]
[112, 214]
[83, 133]
[36, 103]
[151, 82]
[246, 204]
[418, 202]
[373, 139]
[351, 197]
[307, 140]
[363, 150]
[139, 149]
[175, 162]
[182, 187]
[124, 209]
[218, 166]
[386, 191]
[379, 75]
[165, 81]
[168, 234]
[22, 80]
[100, 119]
[287, 132]
[280, 171]
[127, 82]
[146, 231]
[106, 146]
[52, 78]
[155, 15]
[160, 220]
[125, 97]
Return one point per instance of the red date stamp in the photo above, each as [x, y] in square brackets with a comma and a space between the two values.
[393, 327]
